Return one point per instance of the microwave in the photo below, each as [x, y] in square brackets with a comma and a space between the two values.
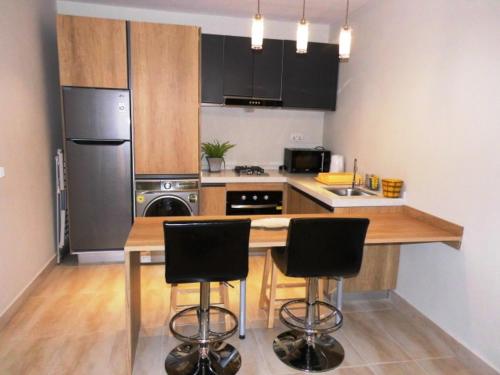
[307, 160]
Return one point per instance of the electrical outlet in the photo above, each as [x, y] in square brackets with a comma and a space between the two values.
[2, 172]
[296, 137]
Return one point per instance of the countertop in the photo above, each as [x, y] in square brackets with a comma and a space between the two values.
[305, 183]
[405, 225]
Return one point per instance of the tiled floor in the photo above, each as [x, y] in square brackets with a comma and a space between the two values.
[74, 324]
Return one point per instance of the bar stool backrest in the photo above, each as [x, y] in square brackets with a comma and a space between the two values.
[325, 247]
[205, 251]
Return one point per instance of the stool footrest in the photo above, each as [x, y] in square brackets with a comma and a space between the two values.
[327, 317]
[213, 336]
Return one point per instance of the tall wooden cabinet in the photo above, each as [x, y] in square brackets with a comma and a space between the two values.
[165, 86]
[92, 52]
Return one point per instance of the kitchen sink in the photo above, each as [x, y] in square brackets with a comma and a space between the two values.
[349, 192]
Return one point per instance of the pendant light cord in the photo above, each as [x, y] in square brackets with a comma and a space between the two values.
[346, 14]
[258, 7]
[304, 10]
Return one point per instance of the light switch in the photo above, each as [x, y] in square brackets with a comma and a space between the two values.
[2, 172]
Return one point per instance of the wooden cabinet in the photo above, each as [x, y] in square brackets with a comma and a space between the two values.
[92, 52]
[213, 200]
[300, 203]
[165, 84]
[212, 68]
[310, 80]
[251, 73]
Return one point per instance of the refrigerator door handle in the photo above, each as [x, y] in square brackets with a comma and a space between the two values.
[110, 142]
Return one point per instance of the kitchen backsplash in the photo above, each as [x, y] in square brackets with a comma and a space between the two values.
[260, 134]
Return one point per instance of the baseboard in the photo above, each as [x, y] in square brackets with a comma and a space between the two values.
[10, 310]
[461, 351]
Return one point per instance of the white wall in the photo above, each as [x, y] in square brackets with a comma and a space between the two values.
[29, 133]
[260, 135]
[420, 99]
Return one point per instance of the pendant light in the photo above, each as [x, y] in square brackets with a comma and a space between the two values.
[302, 31]
[345, 37]
[257, 29]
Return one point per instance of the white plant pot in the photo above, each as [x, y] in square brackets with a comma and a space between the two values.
[215, 164]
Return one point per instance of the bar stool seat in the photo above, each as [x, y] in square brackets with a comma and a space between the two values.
[316, 247]
[204, 252]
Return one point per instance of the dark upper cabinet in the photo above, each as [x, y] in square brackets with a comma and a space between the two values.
[267, 70]
[231, 68]
[212, 68]
[238, 66]
[310, 80]
[251, 73]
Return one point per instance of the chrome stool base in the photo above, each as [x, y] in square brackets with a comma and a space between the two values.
[184, 359]
[322, 354]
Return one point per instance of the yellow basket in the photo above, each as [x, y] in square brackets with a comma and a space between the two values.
[341, 178]
[392, 187]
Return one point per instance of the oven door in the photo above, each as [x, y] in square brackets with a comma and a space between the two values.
[254, 203]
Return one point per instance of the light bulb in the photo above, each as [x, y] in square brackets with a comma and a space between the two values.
[257, 31]
[345, 42]
[302, 36]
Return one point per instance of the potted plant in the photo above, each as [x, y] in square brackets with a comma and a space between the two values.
[214, 152]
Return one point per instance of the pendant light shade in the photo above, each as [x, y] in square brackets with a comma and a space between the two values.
[345, 36]
[302, 36]
[257, 29]
[345, 42]
[302, 32]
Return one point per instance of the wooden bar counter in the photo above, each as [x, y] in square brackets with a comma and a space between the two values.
[387, 230]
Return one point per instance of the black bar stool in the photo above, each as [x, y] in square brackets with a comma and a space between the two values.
[204, 252]
[322, 247]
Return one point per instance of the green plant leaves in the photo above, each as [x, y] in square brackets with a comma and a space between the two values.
[215, 149]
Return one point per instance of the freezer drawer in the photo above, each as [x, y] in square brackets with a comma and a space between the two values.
[96, 113]
[99, 195]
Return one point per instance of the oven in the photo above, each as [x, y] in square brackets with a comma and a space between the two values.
[254, 202]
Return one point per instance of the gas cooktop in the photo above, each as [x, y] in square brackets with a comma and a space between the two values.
[252, 170]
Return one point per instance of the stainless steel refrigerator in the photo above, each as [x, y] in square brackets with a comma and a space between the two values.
[98, 156]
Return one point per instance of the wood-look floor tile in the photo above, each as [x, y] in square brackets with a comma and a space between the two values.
[150, 356]
[89, 354]
[419, 341]
[448, 366]
[401, 368]
[352, 371]
[367, 305]
[370, 341]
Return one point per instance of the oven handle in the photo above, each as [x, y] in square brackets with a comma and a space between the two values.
[254, 205]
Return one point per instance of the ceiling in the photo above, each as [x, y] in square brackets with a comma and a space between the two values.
[320, 11]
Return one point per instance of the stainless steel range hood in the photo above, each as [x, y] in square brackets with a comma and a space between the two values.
[251, 102]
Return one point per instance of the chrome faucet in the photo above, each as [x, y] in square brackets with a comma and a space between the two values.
[355, 170]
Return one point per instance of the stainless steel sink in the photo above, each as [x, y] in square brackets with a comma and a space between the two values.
[348, 192]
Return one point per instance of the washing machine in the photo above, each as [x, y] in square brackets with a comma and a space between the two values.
[172, 197]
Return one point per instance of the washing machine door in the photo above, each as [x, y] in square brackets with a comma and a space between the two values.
[167, 205]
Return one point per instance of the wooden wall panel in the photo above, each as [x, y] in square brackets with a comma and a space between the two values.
[92, 52]
[165, 83]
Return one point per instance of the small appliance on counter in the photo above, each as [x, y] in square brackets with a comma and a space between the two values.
[307, 160]
[337, 163]
[252, 170]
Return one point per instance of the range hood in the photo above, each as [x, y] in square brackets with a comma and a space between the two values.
[252, 102]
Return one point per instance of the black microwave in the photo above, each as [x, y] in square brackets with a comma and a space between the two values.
[306, 160]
